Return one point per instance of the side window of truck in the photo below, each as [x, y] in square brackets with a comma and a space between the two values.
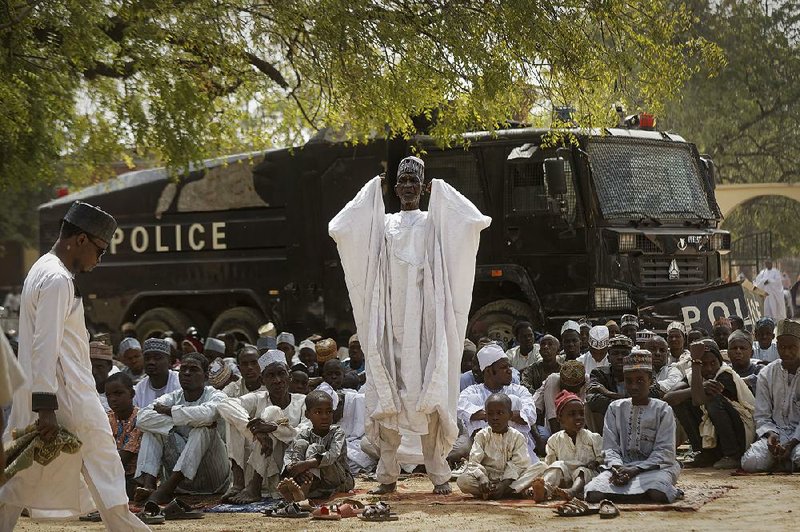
[459, 169]
[526, 186]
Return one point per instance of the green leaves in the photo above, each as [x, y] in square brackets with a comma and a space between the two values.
[181, 80]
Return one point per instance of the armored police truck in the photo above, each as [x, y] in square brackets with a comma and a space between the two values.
[594, 224]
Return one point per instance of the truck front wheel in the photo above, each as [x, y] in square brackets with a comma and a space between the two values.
[242, 322]
[158, 320]
[496, 320]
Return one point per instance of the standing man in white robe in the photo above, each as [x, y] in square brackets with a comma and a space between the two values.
[60, 390]
[770, 280]
[410, 277]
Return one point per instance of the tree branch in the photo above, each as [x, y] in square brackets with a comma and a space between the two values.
[267, 68]
[20, 16]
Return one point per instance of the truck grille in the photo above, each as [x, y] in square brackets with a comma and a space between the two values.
[655, 271]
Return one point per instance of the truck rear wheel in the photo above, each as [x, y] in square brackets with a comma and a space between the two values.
[496, 319]
[160, 319]
[242, 322]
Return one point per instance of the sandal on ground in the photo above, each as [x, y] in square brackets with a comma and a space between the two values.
[151, 514]
[574, 508]
[608, 510]
[93, 517]
[291, 511]
[351, 508]
[178, 509]
[378, 512]
[326, 513]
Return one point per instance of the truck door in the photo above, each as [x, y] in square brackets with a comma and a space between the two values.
[543, 232]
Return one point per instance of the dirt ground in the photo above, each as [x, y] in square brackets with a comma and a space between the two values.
[754, 503]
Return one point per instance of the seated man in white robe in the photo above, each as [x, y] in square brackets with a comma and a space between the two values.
[267, 421]
[180, 435]
[777, 410]
[497, 379]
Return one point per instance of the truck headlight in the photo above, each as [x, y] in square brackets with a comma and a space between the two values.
[606, 298]
[626, 242]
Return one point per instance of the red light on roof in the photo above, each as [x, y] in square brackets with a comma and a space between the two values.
[496, 273]
[62, 191]
[646, 120]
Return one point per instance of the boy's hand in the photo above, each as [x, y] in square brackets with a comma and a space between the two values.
[304, 478]
[516, 418]
[788, 449]
[500, 488]
[485, 488]
[774, 444]
[621, 475]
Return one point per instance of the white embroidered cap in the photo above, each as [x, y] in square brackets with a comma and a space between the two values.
[272, 356]
[489, 354]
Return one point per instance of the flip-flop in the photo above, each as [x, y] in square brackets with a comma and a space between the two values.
[351, 508]
[290, 511]
[607, 510]
[378, 512]
[326, 513]
[93, 517]
[151, 514]
[179, 510]
[574, 508]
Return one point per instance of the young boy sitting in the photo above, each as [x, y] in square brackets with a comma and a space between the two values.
[573, 454]
[316, 461]
[499, 465]
[122, 418]
[298, 382]
[638, 442]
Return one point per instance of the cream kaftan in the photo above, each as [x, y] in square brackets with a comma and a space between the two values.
[409, 276]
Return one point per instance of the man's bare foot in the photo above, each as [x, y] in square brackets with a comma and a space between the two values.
[252, 493]
[442, 489]
[160, 497]
[383, 489]
[231, 493]
[539, 490]
[290, 490]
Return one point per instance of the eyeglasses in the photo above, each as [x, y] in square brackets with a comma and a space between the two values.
[100, 250]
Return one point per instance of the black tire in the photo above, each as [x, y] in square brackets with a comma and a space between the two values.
[496, 319]
[242, 322]
[160, 319]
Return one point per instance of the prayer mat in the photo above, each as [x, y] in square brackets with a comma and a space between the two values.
[27, 448]
[694, 498]
[203, 502]
[251, 508]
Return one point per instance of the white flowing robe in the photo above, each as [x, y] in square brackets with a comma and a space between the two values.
[774, 304]
[410, 276]
[54, 355]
